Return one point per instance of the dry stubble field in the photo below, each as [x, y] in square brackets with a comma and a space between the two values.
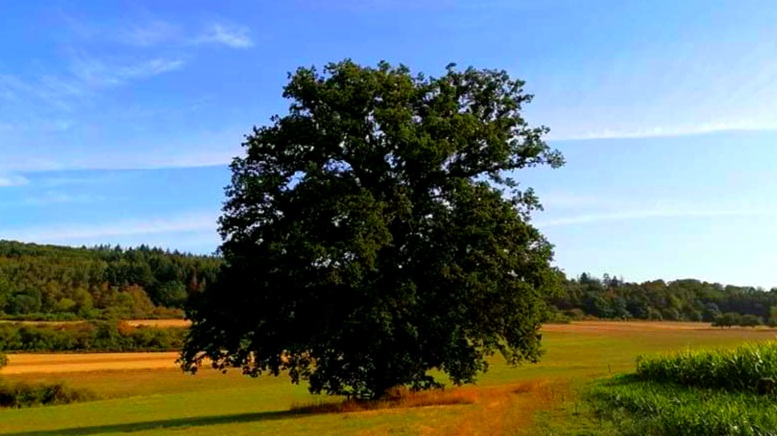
[145, 393]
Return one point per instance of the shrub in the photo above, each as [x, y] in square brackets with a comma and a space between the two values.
[727, 320]
[26, 395]
[750, 321]
[575, 314]
[89, 336]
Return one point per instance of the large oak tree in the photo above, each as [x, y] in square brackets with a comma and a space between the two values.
[376, 232]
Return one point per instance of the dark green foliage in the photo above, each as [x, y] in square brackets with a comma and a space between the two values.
[651, 408]
[26, 395]
[375, 233]
[91, 336]
[749, 368]
[60, 283]
[727, 320]
[748, 320]
[715, 392]
[680, 300]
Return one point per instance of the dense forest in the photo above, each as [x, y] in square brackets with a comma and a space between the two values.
[52, 282]
[45, 282]
[679, 300]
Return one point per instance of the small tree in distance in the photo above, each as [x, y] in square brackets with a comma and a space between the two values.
[728, 319]
[376, 232]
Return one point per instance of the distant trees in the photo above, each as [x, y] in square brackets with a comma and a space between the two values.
[728, 319]
[50, 282]
[87, 336]
[680, 300]
[748, 320]
[42, 282]
[731, 319]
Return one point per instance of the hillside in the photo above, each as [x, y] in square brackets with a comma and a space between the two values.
[53, 282]
[679, 300]
[62, 283]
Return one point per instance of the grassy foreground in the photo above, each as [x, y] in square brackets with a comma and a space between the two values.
[709, 392]
[531, 399]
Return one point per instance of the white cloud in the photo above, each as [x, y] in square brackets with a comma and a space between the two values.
[90, 233]
[150, 33]
[61, 198]
[596, 218]
[8, 181]
[42, 92]
[198, 149]
[569, 200]
[98, 73]
[231, 36]
[91, 179]
[668, 131]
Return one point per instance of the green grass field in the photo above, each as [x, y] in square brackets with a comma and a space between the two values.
[531, 399]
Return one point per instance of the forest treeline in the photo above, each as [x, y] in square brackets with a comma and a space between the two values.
[47, 282]
[44, 282]
[680, 300]
[91, 336]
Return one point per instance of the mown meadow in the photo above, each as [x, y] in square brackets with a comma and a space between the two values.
[551, 397]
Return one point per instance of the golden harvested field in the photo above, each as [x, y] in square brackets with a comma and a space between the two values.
[625, 326]
[145, 393]
[51, 363]
[163, 323]
[65, 363]
[132, 322]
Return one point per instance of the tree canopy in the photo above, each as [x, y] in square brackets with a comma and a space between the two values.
[375, 232]
[51, 282]
[678, 300]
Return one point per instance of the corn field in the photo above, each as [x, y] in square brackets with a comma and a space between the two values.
[749, 368]
[712, 392]
[649, 408]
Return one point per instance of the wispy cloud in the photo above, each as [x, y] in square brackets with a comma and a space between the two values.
[107, 233]
[151, 33]
[7, 181]
[50, 102]
[667, 131]
[597, 218]
[50, 198]
[51, 91]
[383, 5]
[99, 73]
[229, 35]
[566, 200]
[58, 181]
[198, 149]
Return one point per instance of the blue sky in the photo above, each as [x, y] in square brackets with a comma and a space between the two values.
[117, 119]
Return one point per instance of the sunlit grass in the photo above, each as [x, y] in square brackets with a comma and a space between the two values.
[523, 400]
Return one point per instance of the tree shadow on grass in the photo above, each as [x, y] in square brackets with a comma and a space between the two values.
[196, 421]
